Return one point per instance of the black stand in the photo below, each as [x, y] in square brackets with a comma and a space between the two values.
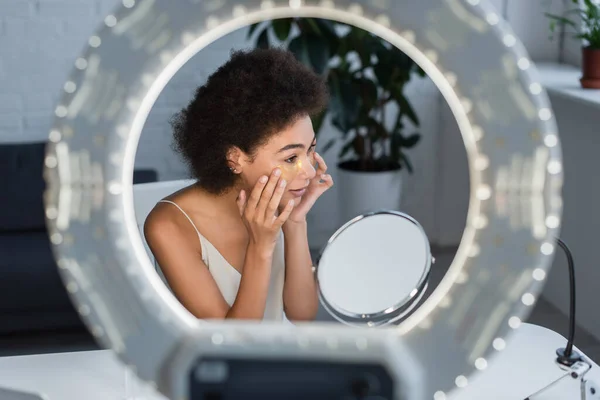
[567, 356]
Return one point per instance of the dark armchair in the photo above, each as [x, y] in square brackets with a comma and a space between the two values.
[32, 296]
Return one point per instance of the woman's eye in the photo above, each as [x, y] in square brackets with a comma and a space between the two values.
[291, 160]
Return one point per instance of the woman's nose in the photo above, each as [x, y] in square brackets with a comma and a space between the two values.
[308, 168]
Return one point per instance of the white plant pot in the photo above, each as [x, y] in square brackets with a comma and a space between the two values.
[362, 192]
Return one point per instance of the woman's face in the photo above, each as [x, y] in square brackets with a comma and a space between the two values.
[292, 150]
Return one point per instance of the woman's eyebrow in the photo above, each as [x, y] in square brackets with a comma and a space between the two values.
[291, 146]
[294, 146]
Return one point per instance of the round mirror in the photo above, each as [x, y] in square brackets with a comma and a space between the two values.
[374, 269]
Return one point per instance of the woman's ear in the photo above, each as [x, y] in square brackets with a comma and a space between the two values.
[235, 160]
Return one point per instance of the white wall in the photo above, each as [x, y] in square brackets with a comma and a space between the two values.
[39, 42]
[580, 141]
[578, 128]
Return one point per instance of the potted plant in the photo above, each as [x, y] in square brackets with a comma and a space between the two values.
[367, 78]
[589, 32]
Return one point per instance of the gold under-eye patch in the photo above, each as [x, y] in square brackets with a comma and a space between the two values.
[289, 171]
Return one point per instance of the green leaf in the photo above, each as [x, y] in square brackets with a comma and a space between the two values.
[310, 50]
[361, 41]
[308, 25]
[383, 69]
[338, 122]
[298, 47]
[252, 29]
[346, 148]
[328, 145]
[383, 72]
[318, 52]
[572, 11]
[405, 107]
[398, 126]
[406, 162]
[400, 59]
[282, 28]
[358, 145]
[368, 92]
[395, 146]
[317, 121]
[561, 20]
[327, 28]
[552, 27]
[411, 141]
[591, 7]
[263, 40]
[343, 48]
[313, 26]
[329, 35]
[377, 129]
[344, 103]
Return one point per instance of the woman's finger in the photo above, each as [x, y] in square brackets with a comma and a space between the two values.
[326, 180]
[252, 202]
[267, 194]
[271, 211]
[322, 166]
[285, 213]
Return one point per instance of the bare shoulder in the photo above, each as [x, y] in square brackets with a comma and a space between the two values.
[167, 223]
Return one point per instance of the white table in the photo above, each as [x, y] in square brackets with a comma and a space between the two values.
[523, 368]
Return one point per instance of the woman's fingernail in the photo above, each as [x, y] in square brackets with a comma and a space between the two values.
[263, 179]
[282, 183]
[323, 176]
[277, 172]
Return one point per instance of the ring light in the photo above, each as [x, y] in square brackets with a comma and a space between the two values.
[505, 119]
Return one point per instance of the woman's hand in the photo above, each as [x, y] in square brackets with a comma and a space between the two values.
[318, 185]
[259, 211]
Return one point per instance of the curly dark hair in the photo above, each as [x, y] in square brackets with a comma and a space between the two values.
[251, 97]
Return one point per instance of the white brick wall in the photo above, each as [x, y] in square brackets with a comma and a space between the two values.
[37, 47]
[39, 41]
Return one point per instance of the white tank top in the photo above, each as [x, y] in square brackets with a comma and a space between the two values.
[228, 278]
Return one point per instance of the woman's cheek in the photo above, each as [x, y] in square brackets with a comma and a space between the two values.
[289, 171]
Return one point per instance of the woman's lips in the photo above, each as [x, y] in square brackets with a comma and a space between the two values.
[298, 192]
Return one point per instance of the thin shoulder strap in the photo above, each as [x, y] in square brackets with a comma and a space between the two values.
[184, 213]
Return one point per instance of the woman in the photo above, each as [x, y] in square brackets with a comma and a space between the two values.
[234, 245]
